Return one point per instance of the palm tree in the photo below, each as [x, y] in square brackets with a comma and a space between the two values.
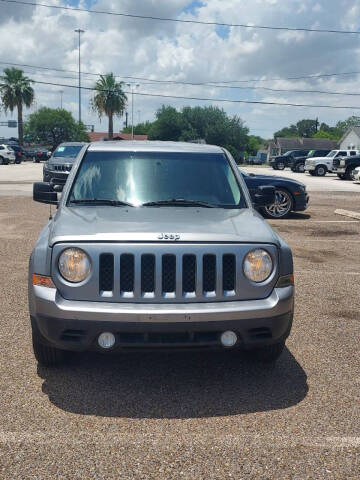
[109, 99]
[16, 91]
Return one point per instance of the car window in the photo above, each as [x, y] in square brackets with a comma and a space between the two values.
[352, 152]
[332, 153]
[2, 148]
[142, 177]
[67, 151]
[341, 154]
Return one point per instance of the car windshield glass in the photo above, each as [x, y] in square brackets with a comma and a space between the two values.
[288, 153]
[68, 151]
[332, 153]
[143, 177]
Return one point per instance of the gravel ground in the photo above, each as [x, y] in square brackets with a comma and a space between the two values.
[191, 416]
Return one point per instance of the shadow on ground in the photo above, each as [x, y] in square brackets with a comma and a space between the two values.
[176, 385]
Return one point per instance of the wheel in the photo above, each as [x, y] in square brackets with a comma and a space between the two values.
[293, 169]
[300, 168]
[282, 207]
[350, 173]
[269, 353]
[320, 171]
[280, 166]
[1, 160]
[341, 175]
[274, 167]
[46, 355]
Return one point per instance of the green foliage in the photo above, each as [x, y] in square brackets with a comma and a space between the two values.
[109, 99]
[54, 126]
[15, 92]
[307, 128]
[291, 131]
[326, 134]
[254, 144]
[139, 129]
[211, 124]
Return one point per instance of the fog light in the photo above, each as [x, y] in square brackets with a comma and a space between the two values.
[106, 340]
[228, 339]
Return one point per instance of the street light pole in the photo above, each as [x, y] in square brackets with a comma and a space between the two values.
[132, 86]
[79, 31]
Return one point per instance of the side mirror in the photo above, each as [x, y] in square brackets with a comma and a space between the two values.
[43, 192]
[264, 196]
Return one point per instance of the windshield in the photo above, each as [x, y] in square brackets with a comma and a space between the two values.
[288, 153]
[332, 153]
[138, 178]
[68, 151]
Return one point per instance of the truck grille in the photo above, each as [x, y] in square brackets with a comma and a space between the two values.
[62, 168]
[336, 162]
[165, 273]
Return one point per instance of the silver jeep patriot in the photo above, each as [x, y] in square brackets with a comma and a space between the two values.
[157, 245]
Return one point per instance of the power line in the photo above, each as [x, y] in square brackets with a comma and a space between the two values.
[221, 100]
[177, 20]
[207, 84]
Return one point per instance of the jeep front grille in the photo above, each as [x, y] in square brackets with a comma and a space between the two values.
[165, 273]
[62, 168]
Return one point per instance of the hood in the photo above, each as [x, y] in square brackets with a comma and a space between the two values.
[271, 178]
[122, 224]
[61, 160]
[320, 158]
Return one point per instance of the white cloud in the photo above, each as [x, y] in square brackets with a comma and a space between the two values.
[194, 53]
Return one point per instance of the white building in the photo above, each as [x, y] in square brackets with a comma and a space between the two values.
[351, 139]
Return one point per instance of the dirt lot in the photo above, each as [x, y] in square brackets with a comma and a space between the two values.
[192, 416]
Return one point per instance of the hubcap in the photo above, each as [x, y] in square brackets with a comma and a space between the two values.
[280, 166]
[321, 171]
[301, 168]
[281, 206]
[352, 174]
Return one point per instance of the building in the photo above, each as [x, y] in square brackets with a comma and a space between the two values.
[351, 139]
[281, 145]
[99, 136]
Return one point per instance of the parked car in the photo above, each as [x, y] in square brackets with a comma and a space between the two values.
[282, 161]
[290, 195]
[357, 174]
[58, 166]
[7, 155]
[41, 154]
[157, 245]
[320, 166]
[345, 167]
[19, 153]
[297, 164]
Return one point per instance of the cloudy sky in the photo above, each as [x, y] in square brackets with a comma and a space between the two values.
[155, 50]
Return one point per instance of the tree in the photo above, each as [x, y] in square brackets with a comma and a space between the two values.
[16, 91]
[54, 126]
[139, 129]
[291, 131]
[109, 99]
[307, 128]
[168, 125]
[344, 125]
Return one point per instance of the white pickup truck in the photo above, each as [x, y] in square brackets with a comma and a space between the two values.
[319, 166]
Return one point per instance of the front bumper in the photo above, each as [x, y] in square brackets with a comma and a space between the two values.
[301, 202]
[74, 325]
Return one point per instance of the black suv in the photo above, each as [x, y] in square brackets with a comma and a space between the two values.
[283, 161]
[297, 164]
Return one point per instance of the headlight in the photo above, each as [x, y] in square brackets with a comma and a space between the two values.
[258, 265]
[74, 265]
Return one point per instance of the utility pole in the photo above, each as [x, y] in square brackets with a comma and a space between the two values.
[79, 31]
[132, 86]
[61, 98]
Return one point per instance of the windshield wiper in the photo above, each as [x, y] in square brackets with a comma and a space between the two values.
[102, 201]
[179, 201]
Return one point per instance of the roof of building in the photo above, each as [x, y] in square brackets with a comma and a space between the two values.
[355, 128]
[98, 136]
[155, 146]
[295, 143]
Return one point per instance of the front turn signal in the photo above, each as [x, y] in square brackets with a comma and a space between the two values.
[285, 281]
[42, 281]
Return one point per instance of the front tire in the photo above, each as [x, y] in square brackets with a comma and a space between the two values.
[300, 168]
[280, 166]
[350, 173]
[320, 171]
[283, 206]
[341, 176]
[268, 353]
[46, 355]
